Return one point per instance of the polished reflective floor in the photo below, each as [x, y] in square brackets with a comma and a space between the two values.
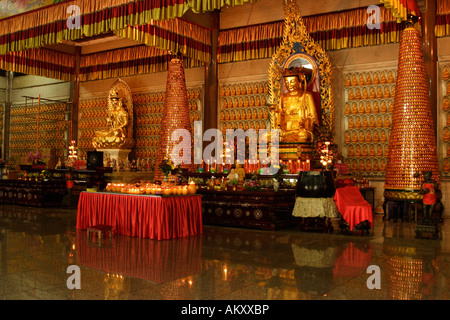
[38, 245]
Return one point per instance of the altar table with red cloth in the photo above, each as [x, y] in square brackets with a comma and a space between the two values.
[143, 216]
[352, 206]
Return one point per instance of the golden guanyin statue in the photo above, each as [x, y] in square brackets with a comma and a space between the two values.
[119, 131]
[296, 115]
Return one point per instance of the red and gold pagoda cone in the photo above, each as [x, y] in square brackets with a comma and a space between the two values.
[412, 143]
[175, 116]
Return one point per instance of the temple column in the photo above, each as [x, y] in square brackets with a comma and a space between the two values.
[430, 52]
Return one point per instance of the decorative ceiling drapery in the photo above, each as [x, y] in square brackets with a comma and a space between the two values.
[175, 35]
[401, 8]
[127, 62]
[442, 28]
[154, 22]
[40, 62]
[333, 31]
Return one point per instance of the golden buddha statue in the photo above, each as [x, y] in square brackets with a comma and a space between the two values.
[354, 108]
[354, 165]
[446, 136]
[368, 80]
[368, 137]
[446, 104]
[354, 137]
[445, 74]
[297, 114]
[383, 165]
[354, 82]
[376, 107]
[372, 122]
[358, 123]
[362, 165]
[372, 151]
[379, 151]
[376, 79]
[357, 94]
[347, 81]
[361, 80]
[365, 123]
[379, 93]
[368, 165]
[347, 109]
[365, 151]
[116, 135]
[391, 107]
[351, 151]
[361, 108]
[365, 94]
[376, 137]
[358, 151]
[446, 166]
[348, 138]
[376, 166]
[351, 95]
[362, 137]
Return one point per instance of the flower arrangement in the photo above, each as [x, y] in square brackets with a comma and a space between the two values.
[167, 167]
[253, 184]
[233, 182]
[45, 174]
[35, 157]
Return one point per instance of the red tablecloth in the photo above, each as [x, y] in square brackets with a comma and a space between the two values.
[153, 217]
[352, 206]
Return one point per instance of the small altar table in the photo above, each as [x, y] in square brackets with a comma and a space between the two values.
[143, 216]
[315, 207]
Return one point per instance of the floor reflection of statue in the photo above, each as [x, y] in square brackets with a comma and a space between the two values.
[116, 134]
[297, 114]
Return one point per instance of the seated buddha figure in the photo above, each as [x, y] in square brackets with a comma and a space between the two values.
[115, 136]
[297, 114]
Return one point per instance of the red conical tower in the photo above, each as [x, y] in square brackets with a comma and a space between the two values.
[412, 144]
[175, 115]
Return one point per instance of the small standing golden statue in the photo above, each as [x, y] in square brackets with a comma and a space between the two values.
[296, 115]
[118, 134]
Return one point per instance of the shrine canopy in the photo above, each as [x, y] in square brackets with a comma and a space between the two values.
[36, 38]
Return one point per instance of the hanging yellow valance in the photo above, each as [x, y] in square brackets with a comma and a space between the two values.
[201, 6]
[174, 35]
[48, 25]
[127, 62]
[442, 27]
[401, 8]
[333, 31]
[40, 62]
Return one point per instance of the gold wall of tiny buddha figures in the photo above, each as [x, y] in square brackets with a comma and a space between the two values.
[369, 104]
[24, 129]
[148, 115]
